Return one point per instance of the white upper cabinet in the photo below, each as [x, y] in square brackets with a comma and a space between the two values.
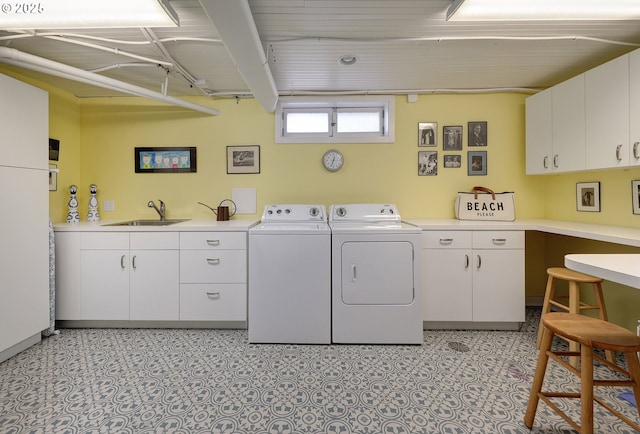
[607, 93]
[634, 108]
[556, 128]
[539, 132]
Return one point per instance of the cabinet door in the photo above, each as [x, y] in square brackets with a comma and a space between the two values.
[155, 285]
[446, 277]
[104, 280]
[607, 110]
[568, 108]
[498, 285]
[634, 108]
[539, 133]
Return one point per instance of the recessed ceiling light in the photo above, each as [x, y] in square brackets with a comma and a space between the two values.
[348, 60]
[523, 10]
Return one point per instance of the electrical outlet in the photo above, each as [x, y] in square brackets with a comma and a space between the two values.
[108, 205]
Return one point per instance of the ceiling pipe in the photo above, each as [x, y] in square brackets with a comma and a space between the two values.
[14, 57]
[234, 22]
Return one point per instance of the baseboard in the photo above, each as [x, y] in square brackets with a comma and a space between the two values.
[20, 346]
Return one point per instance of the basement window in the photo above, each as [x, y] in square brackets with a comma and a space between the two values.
[356, 119]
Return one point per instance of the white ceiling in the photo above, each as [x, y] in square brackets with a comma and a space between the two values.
[402, 46]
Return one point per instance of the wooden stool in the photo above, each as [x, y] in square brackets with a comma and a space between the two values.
[590, 333]
[575, 305]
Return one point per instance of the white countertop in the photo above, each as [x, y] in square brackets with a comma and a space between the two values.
[189, 225]
[619, 268]
[610, 234]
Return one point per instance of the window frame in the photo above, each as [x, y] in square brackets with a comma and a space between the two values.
[333, 103]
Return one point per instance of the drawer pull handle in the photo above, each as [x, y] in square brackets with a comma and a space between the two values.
[213, 242]
[213, 294]
[635, 150]
[545, 162]
[122, 262]
[133, 261]
[466, 261]
[555, 161]
[479, 262]
[213, 261]
[446, 240]
[499, 240]
[618, 156]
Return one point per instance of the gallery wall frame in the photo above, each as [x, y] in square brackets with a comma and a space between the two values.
[427, 163]
[452, 161]
[427, 134]
[165, 159]
[452, 138]
[243, 159]
[477, 133]
[588, 196]
[476, 163]
[635, 196]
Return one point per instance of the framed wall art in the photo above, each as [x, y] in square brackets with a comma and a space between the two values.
[427, 163]
[477, 133]
[452, 138]
[476, 163]
[165, 160]
[427, 134]
[243, 159]
[588, 196]
[635, 196]
[452, 161]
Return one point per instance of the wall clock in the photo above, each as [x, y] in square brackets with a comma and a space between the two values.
[333, 160]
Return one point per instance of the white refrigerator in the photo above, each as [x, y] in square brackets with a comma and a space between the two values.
[24, 215]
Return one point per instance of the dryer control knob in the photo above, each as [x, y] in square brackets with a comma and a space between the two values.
[314, 211]
[341, 211]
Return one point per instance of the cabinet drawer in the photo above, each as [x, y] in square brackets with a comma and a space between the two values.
[219, 266]
[154, 240]
[213, 302]
[498, 239]
[446, 239]
[104, 240]
[213, 240]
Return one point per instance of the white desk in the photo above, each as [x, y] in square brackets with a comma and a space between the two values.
[619, 268]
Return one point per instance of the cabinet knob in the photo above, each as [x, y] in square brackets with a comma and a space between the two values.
[122, 262]
[618, 156]
[499, 240]
[636, 154]
[213, 242]
[213, 294]
[479, 261]
[466, 261]
[555, 161]
[446, 240]
[545, 162]
[213, 261]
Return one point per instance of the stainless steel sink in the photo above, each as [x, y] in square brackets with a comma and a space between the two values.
[148, 222]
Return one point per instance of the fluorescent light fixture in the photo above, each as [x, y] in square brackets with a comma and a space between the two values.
[76, 14]
[531, 10]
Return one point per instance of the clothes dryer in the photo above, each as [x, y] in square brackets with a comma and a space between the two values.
[376, 278]
[289, 282]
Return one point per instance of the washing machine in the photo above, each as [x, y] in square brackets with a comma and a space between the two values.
[289, 282]
[376, 278]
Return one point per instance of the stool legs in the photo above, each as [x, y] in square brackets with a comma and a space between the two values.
[546, 305]
[602, 313]
[586, 390]
[538, 379]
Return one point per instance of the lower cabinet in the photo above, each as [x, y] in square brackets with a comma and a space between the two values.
[473, 276]
[151, 276]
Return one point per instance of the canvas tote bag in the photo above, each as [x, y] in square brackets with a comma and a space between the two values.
[483, 204]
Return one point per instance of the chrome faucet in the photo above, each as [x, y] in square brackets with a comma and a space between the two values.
[160, 211]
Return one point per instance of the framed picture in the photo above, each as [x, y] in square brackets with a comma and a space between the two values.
[427, 163]
[588, 196]
[243, 159]
[54, 149]
[452, 138]
[452, 161]
[53, 177]
[477, 134]
[635, 196]
[165, 160]
[427, 134]
[477, 163]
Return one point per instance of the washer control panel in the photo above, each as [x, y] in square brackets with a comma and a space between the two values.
[294, 213]
[364, 212]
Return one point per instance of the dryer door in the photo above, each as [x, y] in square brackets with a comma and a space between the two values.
[377, 273]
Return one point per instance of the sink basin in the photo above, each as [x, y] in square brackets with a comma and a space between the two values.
[148, 222]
